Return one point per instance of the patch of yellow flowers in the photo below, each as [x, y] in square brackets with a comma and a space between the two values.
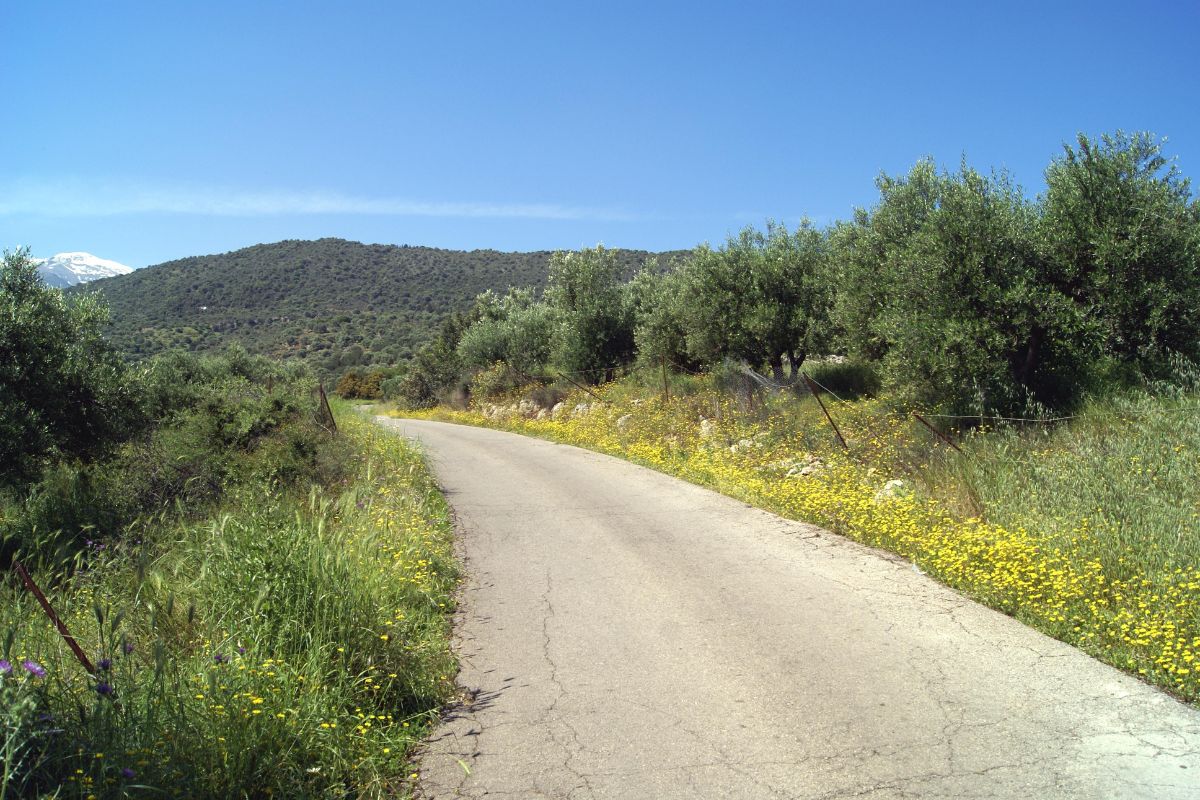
[1146, 624]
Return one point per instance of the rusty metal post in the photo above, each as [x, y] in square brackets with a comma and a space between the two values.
[325, 406]
[581, 386]
[666, 391]
[812, 387]
[936, 432]
[58, 623]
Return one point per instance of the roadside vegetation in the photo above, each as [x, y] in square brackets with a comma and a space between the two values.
[261, 602]
[1054, 340]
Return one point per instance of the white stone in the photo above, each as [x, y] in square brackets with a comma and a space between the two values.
[892, 490]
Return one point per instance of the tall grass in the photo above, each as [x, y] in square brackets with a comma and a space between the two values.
[1128, 466]
[291, 644]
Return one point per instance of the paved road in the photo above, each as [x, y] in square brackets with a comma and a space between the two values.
[628, 635]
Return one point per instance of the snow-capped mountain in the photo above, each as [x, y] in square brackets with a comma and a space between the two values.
[68, 269]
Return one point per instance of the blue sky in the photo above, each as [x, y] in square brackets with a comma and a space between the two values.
[148, 131]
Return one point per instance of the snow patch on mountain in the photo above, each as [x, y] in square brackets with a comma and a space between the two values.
[68, 269]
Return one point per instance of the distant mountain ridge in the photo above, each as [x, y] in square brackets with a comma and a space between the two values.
[70, 269]
[332, 303]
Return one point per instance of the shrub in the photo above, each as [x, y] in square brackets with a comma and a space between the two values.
[214, 429]
[547, 396]
[357, 384]
[63, 390]
[498, 379]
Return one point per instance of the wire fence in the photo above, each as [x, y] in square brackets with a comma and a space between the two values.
[756, 382]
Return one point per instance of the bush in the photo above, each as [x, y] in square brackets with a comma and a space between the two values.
[63, 391]
[357, 384]
[214, 429]
[547, 396]
[495, 381]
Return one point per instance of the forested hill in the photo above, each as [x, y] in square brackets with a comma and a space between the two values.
[332, 302]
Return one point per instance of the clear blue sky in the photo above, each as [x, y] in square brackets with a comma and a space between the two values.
[148, 131]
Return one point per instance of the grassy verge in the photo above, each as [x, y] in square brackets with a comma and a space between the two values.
[1088, 532]
[292, 644]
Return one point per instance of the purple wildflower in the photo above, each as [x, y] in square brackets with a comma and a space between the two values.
[5, 667]
[220, 658]
[105, 665]
[104, 689]
[241, 651]
[127, 773]
[127, 648]
[34, 668]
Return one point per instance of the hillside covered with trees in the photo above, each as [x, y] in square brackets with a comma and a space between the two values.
[331, 303]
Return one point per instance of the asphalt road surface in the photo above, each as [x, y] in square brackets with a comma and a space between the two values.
[624, 634]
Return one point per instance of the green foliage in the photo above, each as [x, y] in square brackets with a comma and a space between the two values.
[594, 324]
[1122, 242]
[495, 381]
[436, 367]
[848, 379]
[63, 391]
[978, 301]
[967, 321]
[514, 329]
[759, 298]
[654, 298]
[215, 425]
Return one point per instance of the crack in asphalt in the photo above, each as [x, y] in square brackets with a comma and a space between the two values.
[624, 635]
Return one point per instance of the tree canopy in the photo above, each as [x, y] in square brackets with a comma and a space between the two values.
[64, 392]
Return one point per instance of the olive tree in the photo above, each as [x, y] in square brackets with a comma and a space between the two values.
[514, 329]
[762, 297]
[1122, 241]
[593, 325]
[64, 393]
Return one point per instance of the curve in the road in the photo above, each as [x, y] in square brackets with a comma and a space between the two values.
[624, 634]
